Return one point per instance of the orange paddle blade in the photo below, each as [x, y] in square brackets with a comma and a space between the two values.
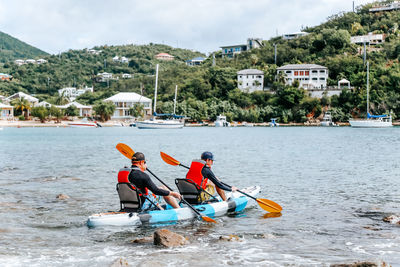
[208, 219]
[269, 205]
[125, 150]
[168, 159]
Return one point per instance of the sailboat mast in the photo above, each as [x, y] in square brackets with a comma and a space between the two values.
[155, 91]
[176, 91]
[367, 88]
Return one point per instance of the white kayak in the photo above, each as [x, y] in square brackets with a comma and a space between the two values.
[236, 202]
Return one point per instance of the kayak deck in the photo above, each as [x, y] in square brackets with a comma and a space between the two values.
[236, 202]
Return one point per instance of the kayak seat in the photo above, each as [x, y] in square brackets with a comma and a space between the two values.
[129, 198]
[189, 190]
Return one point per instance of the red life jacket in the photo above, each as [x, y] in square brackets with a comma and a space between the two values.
[123, 177]
[194, 173]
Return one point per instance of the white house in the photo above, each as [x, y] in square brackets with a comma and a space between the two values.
[30, 61]
[310, 76]
[370, 38]
[41, 61]
[105, 76]
[6, 111]
[20, 95]
[116, 59]
[231, 50]
[386, 7]
[84, 111]
[124, 60]
[250, 80]
[126, 76]
[124, 101]
[290, 36]
[94, 51]
[195, 61]
[44, 104]
[19, 62]
[72, 93]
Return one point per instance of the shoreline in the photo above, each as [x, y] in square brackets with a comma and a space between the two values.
[113, 123]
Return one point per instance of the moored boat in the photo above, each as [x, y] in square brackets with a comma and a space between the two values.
[236, 203]
[327, 120]
[160, 124]
[221, 121]
[84, 123]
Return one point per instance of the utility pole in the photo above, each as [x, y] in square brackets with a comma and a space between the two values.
[176, 91]
[365, 53]
[275, 52]
[105, 64]
[48, 81]
[213, 62]
[353, 6]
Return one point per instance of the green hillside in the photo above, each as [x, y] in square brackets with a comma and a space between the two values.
[206, 90]
[12, 49]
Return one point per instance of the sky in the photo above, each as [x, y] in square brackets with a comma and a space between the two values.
[202, 25]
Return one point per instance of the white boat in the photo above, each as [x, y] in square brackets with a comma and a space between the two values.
[273, 123]
[327, 120]
[84, 123]
[177, 122]
[372, 121]
[221, 121]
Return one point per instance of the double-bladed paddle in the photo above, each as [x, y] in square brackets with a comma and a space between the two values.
[128, 152]
[265, 204]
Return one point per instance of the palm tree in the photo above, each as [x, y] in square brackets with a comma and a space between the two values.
[104, 110]
[62, 99]
[23, 105]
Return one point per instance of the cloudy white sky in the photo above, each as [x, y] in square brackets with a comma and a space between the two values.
[202, 25]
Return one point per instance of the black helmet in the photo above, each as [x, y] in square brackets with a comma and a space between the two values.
[138, 156]
[207, 155]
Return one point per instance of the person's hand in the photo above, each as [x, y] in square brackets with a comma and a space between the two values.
[234, 188]
[175, 195]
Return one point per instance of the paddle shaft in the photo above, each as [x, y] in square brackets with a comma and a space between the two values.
[184, 201]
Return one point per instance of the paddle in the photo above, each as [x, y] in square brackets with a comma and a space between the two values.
[265, 204]
[128, 152]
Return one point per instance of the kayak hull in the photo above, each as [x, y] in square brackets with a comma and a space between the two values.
[236, 203]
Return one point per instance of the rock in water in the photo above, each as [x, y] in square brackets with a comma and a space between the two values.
[359, 264]
[62, 197]
[120, 263]
[167, 238]
[394, 219]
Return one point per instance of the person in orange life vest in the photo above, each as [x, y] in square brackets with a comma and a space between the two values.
[142, 181]
[208, 180]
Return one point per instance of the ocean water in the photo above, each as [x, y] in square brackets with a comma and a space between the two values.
[335, 186]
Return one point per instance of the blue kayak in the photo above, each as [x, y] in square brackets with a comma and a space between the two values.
[236, 202]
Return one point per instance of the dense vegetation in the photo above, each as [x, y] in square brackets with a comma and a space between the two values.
[12, 49]
[207, 90]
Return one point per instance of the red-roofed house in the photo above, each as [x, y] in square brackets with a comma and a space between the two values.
[164, 56]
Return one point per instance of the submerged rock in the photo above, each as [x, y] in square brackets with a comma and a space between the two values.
[62, 196]
[394, 219]
[361, 264]
[167, 238]
[143, 240]
[230, 238]
[119, 263]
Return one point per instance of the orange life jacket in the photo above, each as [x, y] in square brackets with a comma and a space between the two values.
[123, 177]
[194, 173]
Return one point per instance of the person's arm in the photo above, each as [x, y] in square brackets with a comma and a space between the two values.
[207, 173]
[153, 187]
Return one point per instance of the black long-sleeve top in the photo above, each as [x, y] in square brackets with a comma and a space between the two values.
[142, 180]
[207, 173]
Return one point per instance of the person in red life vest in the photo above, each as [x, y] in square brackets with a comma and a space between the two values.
[142, 181]
[200, 173]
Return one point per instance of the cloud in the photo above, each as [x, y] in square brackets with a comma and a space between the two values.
[205, 25]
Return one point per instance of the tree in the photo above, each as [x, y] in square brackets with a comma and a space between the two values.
[40, 112]
[72, 111]
[62, 99]
[104, 110]
[56, 112]
[137, 110]
[22, 105]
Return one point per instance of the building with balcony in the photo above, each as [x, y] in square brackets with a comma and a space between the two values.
[310, 76]
[369, 38]
[72, 93]
[231, 50]
[164, 56]
[124, 101]
[250, 80]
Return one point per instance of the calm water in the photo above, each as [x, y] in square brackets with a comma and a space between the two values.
[334, 184]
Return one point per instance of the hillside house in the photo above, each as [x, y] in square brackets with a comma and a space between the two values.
[103, 77]
[386, 7]
[124, 60]
[290, 36]
[5, 77]
[310, 76]
[19, 62]
[250, 80]
[164, 56]
[124, 101]
[369, 38]
[41, 61]
[30, 61]
[195, 61]
[126, 76]
[231, 50]
[72, 93]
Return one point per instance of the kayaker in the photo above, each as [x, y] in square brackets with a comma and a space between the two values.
[206, 178]
[143, 182]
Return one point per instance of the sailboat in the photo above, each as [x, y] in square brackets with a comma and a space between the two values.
[177, 122]
[372, 121]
